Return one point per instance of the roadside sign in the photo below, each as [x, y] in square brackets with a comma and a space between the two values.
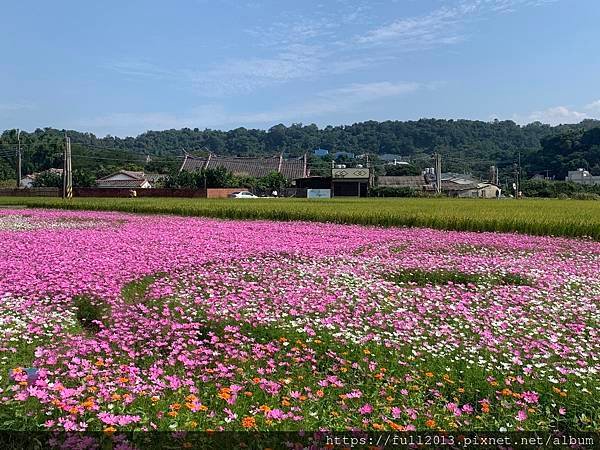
[318, 193]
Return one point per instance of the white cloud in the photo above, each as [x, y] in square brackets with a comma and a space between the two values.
[343, 99]
[438, 27]
[594, 106]
[320, 45]
[13, 107]
[443, 26]
[141, 69]
[557, 115]
[246, 75]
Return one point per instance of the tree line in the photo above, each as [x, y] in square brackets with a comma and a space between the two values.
[466, 146]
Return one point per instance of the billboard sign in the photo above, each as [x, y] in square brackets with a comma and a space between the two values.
[318, 193]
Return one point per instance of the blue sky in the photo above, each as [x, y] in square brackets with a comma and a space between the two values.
[123, 67]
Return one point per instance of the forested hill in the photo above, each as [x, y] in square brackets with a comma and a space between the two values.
[467, 145]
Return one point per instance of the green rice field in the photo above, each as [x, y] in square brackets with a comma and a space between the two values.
[529, 216]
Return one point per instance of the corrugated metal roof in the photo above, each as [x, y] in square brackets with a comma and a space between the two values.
[254, 167]
[416, 181]
[453, 185]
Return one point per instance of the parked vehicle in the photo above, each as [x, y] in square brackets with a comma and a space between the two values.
[242, 194]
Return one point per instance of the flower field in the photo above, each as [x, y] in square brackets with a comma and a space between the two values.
[112, 321]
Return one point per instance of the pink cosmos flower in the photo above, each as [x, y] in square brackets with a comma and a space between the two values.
[365, 409]
[521, 415]
[275, 414]
[530, 397]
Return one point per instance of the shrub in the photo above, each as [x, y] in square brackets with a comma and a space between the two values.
[442, 276]
[585, 196]
[90, 313]
[389, 191]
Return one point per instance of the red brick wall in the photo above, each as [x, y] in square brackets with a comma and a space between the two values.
[123, 193]
[31, 192]
[113, 192]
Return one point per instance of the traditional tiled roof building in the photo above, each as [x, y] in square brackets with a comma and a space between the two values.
[128, 179]
[291, 169]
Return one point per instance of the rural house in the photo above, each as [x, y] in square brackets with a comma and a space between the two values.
[416, 182]
[464, 187]
[29, 180]
[582, 176]
[291, 169]
[127, 179]
[350, 182]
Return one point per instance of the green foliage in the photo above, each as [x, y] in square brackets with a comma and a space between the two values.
[401, 170]
[585, 196]
[422, 277]
[48, 179]
[272, 182]
[83, 178]
[135, 291]
[472, 145]
[7, 170]
[90, 313]
[390, 191]
[218, 177]
[570, 149]
[556, 189]
[8, 183]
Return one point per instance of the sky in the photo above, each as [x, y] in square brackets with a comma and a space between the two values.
[124, 67]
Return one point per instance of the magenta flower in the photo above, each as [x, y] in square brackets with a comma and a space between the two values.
[365, 409]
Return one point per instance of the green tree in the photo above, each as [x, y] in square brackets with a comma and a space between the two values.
[401, 170]
[83, 178]
[7, 172]
[272, 182]
[48, 179]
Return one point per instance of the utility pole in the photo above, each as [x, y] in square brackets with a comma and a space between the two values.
[438, 173]
[519, 178]
[67, 172]
[371, 173]
[517, 174]
[18, 159]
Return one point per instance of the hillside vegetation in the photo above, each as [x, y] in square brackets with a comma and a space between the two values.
[467, 146]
